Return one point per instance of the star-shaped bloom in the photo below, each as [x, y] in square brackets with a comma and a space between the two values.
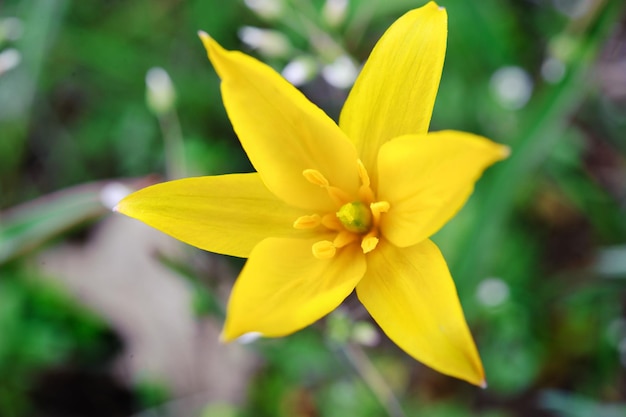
[334, 208]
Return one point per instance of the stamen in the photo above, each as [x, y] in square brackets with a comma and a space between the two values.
[365, 191]
[323, 249]
[365, 178]
[339, 196]
[344, 238]
[330, 221]
[380, 206]
[366, 194]
[354, 220]
[307, 222]
[315, 177]
[369, 243]
[377, 208]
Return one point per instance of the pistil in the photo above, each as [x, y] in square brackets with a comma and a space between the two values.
[355, 217]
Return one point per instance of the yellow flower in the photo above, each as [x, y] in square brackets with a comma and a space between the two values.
[333, 208]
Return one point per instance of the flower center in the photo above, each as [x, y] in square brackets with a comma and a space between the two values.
[354, 220]
[355, 217]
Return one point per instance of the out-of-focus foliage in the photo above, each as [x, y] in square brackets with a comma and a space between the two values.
[42, 329]
[538, 254]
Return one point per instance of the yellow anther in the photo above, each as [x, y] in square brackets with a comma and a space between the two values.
[323, 249]
[355, 217]
[307, 222]
[377, 208]
[365, 178]
[380, 207]
[344, 238]
[315, 177]
[369, 243]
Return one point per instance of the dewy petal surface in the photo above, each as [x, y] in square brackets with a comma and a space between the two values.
[410, 294]
[282, 132]
[283, 288]
[227, 214]
[428, 178]
[395, 93]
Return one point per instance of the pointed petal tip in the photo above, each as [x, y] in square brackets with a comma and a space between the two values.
[223, 339]
[404, 68]
[249, 337]
[479, 379]
[434, 4]
[215, 52]
[243, 339]
[207, 41]
[505, 151]
[203, 35]
[119, 207]
[124, 206]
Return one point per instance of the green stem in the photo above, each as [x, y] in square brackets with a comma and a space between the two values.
[174, 148]
[372, 378]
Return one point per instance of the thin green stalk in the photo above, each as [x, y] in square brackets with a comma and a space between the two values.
[174, 147]
[372, 378]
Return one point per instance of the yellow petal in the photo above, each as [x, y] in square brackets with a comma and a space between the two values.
[284, 288]
[427, 178]
[395, 93]
[411, 295]
[282, 132]
[226, 214]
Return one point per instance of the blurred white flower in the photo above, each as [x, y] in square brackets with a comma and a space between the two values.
[160, 94]
[611, 261]
[334, 12]
[341, 73]
[9, 59]
[300, 70]
[364, 333]
[552, 70]
[512, 87]
[267, 9]
[268, 42]
[112, 193]
[492, 292]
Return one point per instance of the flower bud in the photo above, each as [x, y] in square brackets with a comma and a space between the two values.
[334, 12]
[268, 42]
[160, 94]
[267, 9]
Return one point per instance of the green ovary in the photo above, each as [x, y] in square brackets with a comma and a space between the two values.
[356, 217]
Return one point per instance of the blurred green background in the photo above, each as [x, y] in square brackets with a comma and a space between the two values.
[100, 316]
